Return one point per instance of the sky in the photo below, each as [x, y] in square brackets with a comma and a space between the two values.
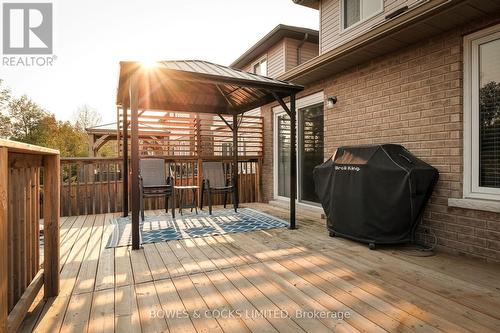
[91, 37]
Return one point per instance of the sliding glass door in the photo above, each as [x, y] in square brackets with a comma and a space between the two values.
[283, 154]
[310, 150]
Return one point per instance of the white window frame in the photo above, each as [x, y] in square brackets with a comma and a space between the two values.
[361, 20]
[259, 62]
[471, 187]
[277, 111]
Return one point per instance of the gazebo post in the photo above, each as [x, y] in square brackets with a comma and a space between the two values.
[293, 160]
[235, 160]
[134, 149]
[125, 160]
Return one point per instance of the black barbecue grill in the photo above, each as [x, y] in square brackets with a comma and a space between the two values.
[374, 193]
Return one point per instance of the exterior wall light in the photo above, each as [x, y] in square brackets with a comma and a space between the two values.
[331, 101]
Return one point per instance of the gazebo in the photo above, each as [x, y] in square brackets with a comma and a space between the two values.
[197, 87]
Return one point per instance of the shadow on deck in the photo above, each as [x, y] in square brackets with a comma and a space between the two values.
[261, 281]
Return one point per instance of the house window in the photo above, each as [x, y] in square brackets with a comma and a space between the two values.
[260, 67]
[356, 11]
[482, 114]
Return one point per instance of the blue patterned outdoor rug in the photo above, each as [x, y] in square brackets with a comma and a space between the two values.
[161, 228]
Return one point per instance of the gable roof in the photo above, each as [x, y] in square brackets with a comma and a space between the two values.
[279, 32]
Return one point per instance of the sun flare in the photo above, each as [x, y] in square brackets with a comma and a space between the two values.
[149, 64]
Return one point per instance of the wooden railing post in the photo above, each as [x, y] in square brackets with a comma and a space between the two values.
[20, 275]
[51, 225]
[258, 180]
[4, 179]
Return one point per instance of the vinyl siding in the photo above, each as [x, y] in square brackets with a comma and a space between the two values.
[307, 51]
[276, 59]
[331, 34]
[282, 56]
[248, 68]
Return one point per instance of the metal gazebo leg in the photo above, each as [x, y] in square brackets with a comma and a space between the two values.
[235, 161]
[293, 161]
[134, 135]
[125, 159]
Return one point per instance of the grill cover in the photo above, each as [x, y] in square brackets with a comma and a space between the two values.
[374, 193]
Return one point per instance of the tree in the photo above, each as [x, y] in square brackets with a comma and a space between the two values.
[108, 149]
[4, 95]
[85, 117]
[5, 124]
[489, 128]
[65, 137]
[489, 103]
[22, 119]
[26, 121]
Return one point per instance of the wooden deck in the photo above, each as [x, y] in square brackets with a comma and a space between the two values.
[106, 290]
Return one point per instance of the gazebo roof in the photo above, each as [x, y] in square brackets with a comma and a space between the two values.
[198, 86]
[109, 128]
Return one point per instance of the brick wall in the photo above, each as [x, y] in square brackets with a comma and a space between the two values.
[412, 97]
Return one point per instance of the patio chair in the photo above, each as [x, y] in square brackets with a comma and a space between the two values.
[215, 181]
[153, 183]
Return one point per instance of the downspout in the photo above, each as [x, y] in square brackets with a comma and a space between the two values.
[306, 36]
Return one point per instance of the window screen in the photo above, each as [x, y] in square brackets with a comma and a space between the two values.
[489, 114]
[352, 12]
[355, 11]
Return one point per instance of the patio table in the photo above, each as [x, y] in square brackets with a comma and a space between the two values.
[182, 190]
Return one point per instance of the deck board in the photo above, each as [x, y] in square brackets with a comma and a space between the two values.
[103, 311]
[261, 272]
[126, 310]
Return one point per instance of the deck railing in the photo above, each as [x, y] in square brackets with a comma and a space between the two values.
[24, 169]
[94, 185]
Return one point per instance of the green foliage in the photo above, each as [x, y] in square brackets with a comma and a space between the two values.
[109, 149]
[27, 121]
[4, 118]
[4, 126]
[4, 95]
[21, 119]
[489, 103]
[70, 141]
